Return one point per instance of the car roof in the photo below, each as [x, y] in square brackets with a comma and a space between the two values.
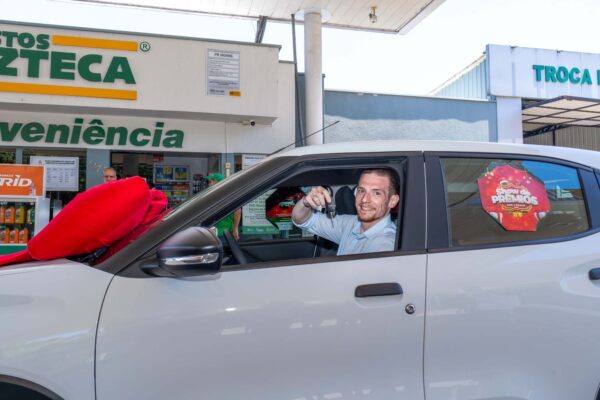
[586, 157]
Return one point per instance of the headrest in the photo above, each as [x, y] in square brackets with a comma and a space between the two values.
[344, 201]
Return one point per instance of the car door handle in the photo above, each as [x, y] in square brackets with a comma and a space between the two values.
[594, 274]
[378, 289]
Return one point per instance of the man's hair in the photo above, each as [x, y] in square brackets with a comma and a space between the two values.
[393, 189]
[110, 168]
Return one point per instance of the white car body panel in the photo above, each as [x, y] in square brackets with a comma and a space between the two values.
[294, 332]
[514, 323]
[49, 312]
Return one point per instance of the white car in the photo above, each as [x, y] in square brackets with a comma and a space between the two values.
[492, 291]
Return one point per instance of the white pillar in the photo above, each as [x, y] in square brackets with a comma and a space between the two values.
[313, 71]
[509, 120]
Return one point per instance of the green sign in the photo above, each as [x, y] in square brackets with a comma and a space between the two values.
[91, 133]
[576, 76]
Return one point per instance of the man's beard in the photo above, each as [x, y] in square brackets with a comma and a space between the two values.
[370, 217]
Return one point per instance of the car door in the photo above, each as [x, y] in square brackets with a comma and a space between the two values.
[511, 311]
[290, 329]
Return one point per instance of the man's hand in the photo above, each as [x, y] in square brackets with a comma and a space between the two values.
[316, 199]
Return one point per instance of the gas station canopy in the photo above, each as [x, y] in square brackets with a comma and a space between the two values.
[392, 16]
[561, 111]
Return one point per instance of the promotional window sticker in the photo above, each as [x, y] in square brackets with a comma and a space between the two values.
[515, 198]
[280, 204]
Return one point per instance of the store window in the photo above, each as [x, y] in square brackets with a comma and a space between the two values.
[178, 175]
[7, 156]
[497, 201]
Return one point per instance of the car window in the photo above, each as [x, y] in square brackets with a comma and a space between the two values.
[266, 232]
[497, 201]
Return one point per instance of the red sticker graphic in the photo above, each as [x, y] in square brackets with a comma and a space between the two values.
[514, 197]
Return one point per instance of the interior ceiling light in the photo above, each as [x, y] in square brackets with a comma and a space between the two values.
[373, 15]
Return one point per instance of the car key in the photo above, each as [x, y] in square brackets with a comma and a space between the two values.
[330, 210]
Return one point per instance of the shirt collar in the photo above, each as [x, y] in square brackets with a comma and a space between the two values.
[374, 230]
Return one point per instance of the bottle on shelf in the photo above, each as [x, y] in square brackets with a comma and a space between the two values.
[30, 218]
[19, 213]
[13, 235]
[9, 214]
[23, 235]
[4, 231]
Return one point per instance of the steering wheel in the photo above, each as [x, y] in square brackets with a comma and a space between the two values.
[236, 251]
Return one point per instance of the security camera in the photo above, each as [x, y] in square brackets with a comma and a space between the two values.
[250, 122]
[373, 14]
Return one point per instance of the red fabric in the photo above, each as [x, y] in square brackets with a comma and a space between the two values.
[156, 211]
[14, 258]
[95, 218]
[158, 204]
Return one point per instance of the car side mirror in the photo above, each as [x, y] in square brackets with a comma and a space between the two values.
[194, 251]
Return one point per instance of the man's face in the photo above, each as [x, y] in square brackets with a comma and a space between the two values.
[109, 176]
[373, 200]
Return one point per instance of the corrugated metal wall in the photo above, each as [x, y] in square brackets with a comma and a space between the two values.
[366, 116]
[471, 85]
[578, 137]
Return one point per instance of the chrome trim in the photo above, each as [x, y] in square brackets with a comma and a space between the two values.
[208, 258]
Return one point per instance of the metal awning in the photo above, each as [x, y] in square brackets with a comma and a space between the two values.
[391, 16]
[560, 112]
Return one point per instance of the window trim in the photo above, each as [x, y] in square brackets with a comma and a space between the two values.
[438, 227]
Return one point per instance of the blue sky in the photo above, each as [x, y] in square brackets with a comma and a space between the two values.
[449, 39]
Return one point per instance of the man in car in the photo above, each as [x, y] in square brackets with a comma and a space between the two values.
[371, 230]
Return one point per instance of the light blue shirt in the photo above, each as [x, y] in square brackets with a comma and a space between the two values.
[347, 233]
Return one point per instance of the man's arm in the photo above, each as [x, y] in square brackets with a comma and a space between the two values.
[301, 212]
[237, 216]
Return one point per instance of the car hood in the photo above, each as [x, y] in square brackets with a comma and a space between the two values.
[36, 266]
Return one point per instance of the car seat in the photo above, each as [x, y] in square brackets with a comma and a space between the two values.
[344, 201]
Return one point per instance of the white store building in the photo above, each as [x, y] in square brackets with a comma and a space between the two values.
[141, 103]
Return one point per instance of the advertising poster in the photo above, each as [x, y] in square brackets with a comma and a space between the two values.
[254, 221]
[516, 199]
[21, 180]
[170, 173]
[280, 204]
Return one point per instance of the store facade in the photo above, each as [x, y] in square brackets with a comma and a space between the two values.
[549, 97]
[169, 109]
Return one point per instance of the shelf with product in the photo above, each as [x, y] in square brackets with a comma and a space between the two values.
[24, 209]
[173, 181]
[19, 221]
[199, 183]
